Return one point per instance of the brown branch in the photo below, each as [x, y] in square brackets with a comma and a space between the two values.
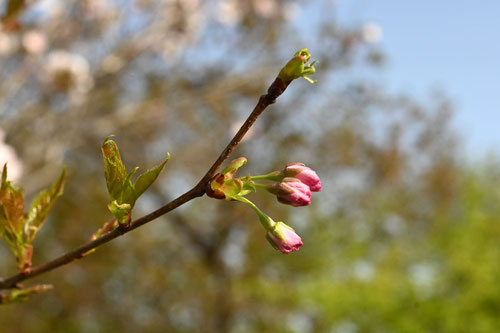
[274, 91]
[13, 9]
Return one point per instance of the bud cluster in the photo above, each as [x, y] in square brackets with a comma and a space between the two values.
[292, 185]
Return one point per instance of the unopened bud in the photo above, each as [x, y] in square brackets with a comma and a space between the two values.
[305, 174]
[283, 238]
[291, 191]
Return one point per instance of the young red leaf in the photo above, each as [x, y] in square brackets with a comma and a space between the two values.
[11, 204]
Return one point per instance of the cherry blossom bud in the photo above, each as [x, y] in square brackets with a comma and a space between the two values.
[291, 191]
[283, 238]
[305, 174]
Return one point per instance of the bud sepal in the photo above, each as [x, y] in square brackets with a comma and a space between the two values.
[226, 186]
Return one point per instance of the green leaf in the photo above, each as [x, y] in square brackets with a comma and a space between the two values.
[129, 195]
[114, 170]
[19, 295]
[147, 178]
[41, 205]
[123, 192]
[120, 211]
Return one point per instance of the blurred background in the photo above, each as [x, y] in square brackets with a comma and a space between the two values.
[401, 128]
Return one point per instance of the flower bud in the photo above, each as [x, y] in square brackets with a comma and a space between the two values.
[291, 191]
[305, 174]
[298, 67]
[283, 238]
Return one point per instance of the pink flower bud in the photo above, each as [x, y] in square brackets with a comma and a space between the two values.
[305, 174]
[284, 238]
[291, 191]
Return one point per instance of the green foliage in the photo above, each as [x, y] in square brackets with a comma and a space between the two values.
[16, 228]
[114, 170]
[122, 191]
[441, 276]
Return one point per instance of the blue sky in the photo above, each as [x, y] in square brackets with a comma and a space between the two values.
[453, 46]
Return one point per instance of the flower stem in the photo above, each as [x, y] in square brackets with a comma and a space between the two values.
[265, 220]
[275, 175]
[264, 186]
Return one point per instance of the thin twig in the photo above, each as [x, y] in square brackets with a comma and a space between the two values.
[274, 91]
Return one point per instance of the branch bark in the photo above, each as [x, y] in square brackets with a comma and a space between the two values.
[274, 91]
[13, 10]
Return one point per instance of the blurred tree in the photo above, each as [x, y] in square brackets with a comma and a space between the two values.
[401, 239]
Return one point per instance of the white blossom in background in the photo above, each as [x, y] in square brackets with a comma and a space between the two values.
[232, 12]
[112, 64]
[8, 43]
[101, 9]
[364, 270]
[228, 12]
[371, 33]
[423, 276]
[48, 9]
[265, 8]
[235, 127]
[68, 73]
[34, 42]
[8, 155]
[289, 11]
[178, 23]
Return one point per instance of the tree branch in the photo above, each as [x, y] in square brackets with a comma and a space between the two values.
[274, 91]
[13, 10]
